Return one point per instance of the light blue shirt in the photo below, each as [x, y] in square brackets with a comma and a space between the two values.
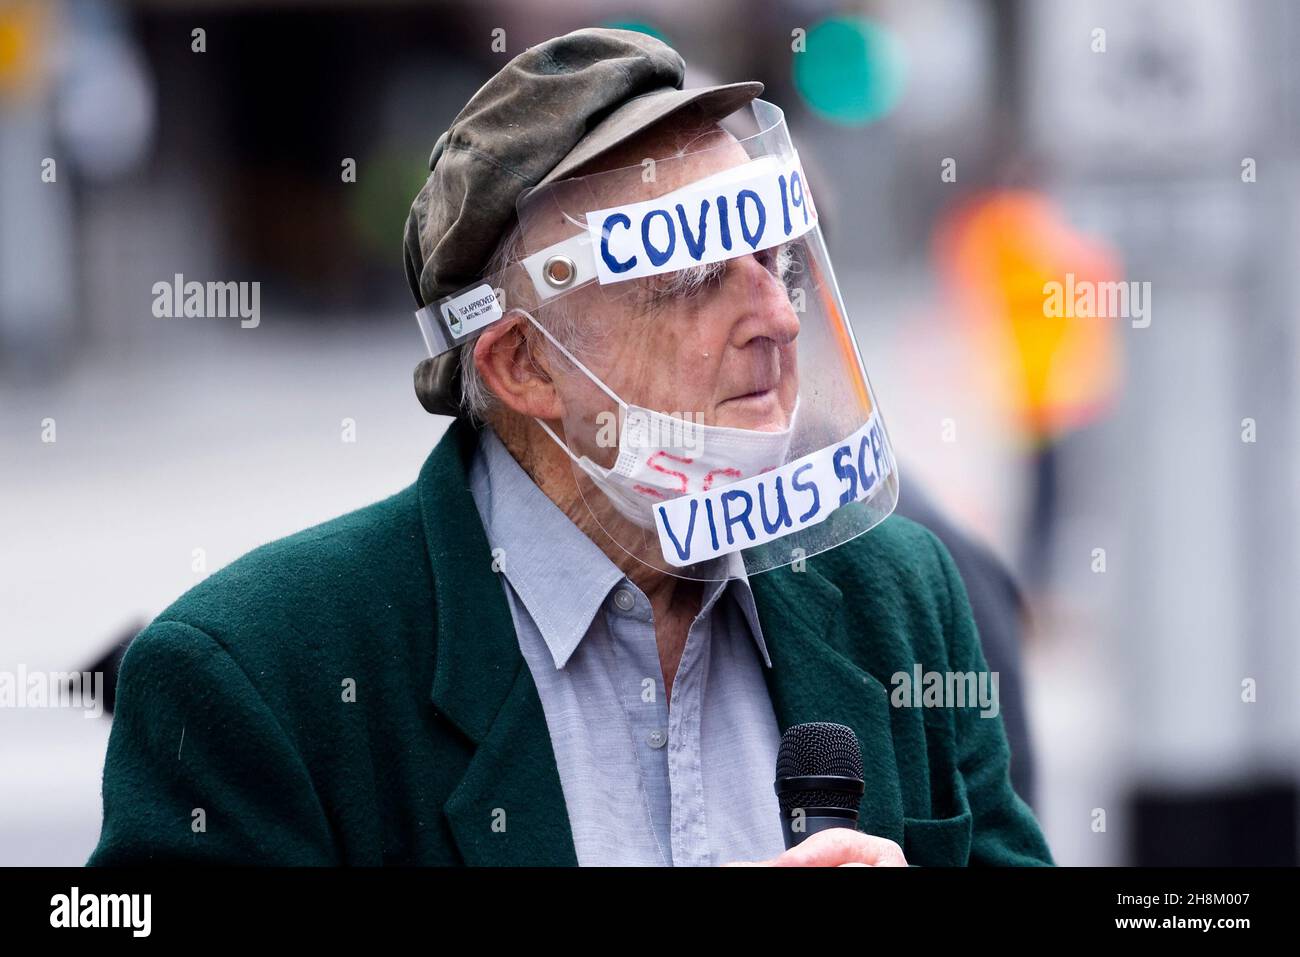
[646, 781]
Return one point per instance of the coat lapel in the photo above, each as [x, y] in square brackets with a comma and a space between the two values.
[814, 678]
[509, 806]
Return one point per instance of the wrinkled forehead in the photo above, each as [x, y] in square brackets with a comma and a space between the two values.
[645, 167]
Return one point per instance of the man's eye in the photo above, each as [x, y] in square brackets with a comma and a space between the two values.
[686, 283]
[706, 278]
[776, 260]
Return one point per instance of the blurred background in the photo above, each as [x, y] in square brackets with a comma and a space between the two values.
[1138, 472]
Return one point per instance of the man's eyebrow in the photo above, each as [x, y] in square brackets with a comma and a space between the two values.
[685, 280]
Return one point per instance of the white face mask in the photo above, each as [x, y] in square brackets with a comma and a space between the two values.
[661, 457]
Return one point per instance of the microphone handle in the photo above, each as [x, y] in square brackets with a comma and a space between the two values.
[796, 826]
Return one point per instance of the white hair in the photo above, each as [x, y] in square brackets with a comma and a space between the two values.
[478, 401]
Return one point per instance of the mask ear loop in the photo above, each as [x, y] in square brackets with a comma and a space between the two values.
[587, 372]
[572, 358]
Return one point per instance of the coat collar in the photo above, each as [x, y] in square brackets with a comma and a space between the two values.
[509, 807]
[561, 576]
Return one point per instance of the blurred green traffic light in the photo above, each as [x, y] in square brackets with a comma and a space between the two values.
[853, 71]
[639, 27]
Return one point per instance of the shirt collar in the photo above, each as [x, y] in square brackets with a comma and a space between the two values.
[562, 576]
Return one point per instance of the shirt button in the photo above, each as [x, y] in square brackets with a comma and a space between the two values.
[624, 600]
[657, 739]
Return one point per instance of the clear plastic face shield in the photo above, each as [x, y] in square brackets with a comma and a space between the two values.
[715, 408]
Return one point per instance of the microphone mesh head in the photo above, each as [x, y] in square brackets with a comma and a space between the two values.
[819, 747]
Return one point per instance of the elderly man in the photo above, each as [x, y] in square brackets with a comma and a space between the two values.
[656, 536]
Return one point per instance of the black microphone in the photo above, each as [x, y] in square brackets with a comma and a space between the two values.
[818, 779]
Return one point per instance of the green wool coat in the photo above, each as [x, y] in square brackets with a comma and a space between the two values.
[355, 694]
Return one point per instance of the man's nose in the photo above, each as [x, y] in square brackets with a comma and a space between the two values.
[764, 303]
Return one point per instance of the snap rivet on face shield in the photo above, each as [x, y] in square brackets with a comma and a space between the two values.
[559, 271]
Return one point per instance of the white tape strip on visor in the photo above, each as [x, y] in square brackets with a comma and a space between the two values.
[753, 511]
[739, 210]
[742, 209]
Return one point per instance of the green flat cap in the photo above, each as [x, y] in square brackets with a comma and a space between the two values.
[550, 111]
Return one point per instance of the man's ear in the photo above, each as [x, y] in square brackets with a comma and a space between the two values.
[505, 355]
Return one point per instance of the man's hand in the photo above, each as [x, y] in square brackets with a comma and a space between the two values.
[837, 847]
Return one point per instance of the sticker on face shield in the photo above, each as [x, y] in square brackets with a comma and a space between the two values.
[696, 527]
[741, 210]
[471, 310]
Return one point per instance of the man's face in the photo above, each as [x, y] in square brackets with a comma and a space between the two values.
[715, 344]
